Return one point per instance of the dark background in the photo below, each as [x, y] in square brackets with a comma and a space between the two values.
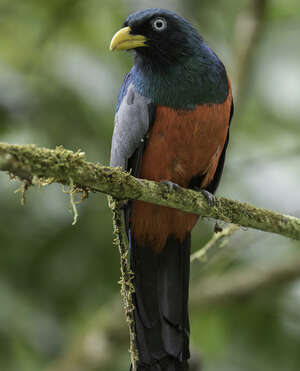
[59, 303]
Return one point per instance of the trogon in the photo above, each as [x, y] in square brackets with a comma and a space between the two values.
[171, 125]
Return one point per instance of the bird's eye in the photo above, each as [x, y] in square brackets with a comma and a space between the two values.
[159, 24]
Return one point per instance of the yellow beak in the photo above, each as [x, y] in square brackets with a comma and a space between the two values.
[123, 40]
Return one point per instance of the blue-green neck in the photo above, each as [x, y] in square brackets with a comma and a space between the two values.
[196, 79]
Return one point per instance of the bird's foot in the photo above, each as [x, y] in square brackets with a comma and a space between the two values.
[210, 198]
[171, 186]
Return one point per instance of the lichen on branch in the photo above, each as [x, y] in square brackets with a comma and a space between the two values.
[29, 162]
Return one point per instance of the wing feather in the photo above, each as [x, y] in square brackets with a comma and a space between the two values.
[133, 119]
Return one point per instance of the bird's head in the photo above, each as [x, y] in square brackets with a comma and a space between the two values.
[158, 36]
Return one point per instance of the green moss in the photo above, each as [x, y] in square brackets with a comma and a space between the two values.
[60, 165]
[127, 287]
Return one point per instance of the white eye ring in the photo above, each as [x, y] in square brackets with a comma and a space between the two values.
[159, 24]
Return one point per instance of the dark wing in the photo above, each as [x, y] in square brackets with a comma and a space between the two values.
[133, 119]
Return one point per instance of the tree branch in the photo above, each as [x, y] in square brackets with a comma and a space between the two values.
[249, 31]
[218, 241]
[62, 166]
[243, 282]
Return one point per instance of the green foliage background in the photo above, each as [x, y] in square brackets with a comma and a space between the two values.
[59, 306]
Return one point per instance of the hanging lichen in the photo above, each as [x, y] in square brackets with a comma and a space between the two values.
[127, 287]
[73, 191]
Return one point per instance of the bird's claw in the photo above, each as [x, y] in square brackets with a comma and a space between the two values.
[171, 186]
[210, 198]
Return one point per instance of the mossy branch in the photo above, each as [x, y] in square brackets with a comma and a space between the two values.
[214, 245]
[35, 164]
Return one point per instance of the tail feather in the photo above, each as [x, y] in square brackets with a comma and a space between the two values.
[161, 305]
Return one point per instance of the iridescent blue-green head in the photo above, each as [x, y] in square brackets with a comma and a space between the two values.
[173, 65]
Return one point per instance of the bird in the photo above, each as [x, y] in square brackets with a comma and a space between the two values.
[171, 126]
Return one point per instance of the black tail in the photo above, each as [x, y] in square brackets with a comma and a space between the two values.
[161, 305]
